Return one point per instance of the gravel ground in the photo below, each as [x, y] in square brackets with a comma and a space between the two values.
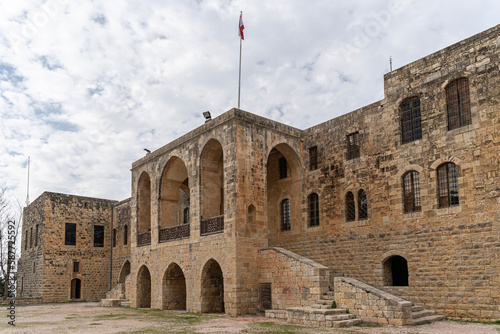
[91, 318]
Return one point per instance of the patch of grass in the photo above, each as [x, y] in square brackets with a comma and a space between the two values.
[334, 304]
[496, 322]
[347, 312]
[95, 323]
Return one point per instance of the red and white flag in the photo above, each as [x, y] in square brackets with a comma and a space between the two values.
[240, 30]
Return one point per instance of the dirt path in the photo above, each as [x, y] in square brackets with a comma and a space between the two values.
[91, 318]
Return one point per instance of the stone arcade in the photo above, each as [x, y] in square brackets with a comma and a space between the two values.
[399, 198]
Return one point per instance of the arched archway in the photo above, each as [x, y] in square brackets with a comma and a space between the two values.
[143, 288]
[283, 182]
[174, 193]
[76, 288]
[395, 271]
[174, 288]
[144, 203]
[212, 180]
[124, 272]
[212, 288]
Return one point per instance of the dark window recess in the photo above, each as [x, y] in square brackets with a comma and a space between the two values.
[458, 104]
[76, 267]
[353, 146]
[85, 205]
[114, 237]
[350, 207]
[285, 215]
[98, 236]
[76, 286]
[411, 192]
[125, 234]
[363, 204]
[31, 237]
[313, 209]
[36, 235]
[186, 216]
[411, 127]
[70, 234]
[447, 184]
[313, 158]
[283, 167]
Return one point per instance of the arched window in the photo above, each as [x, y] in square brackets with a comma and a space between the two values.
[447, 184]
[285, 215]
[125, 234]
[313, 201]
[458, 103]
[350, 207]
[362, 204]
[411, 192]
[411, 128]
[186, 216]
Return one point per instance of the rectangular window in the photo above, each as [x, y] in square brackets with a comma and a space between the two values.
[85, 205]
[313, 158]
[70, 234]
[76, 267]
[36, 235]
[31, 237]
[26, 240]
[353, 146]
[98, 236]
[283, 167]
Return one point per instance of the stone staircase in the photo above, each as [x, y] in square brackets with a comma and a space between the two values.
[420, 315]
[116, 297]
[319, 314]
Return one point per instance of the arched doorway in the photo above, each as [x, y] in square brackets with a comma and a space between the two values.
[395, 271]
[212, 180]
[284, 191]
[144, 288]
[174, 193]
[144, 203]
[212, 288]
[124, 272]
[76, 288]
[174, 288]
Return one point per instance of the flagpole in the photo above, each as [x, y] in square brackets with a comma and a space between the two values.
[239, 81]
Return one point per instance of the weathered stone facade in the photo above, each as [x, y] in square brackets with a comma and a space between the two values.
[47, 264]
[402, 194]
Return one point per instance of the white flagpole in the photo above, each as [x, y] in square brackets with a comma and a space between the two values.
[239, 81]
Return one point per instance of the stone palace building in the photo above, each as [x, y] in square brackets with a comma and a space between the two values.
[398, 201]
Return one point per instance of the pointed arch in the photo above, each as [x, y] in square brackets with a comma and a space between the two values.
[212, 288]
[144, 203]
[124, 272]
[212, 180]
[174, 288]
[174, 192]
[143, 288]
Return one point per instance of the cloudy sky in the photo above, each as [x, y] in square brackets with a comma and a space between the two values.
[86, 85]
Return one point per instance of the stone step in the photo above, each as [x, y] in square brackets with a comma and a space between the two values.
[330, 311]
[345, 323]
[340, 317]
[429, 319]
[328, 297]
[276, 314]
[321, 306]
[324, 302]
[417, 308]
[125, 303]
[330, 293]
[110, 302]
[422, 314]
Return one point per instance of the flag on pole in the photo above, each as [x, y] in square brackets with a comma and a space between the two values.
[240, 31]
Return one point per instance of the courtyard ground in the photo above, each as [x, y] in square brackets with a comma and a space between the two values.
[91, 318]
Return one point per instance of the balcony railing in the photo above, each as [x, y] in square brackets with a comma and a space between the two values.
[174, 232]
[144, 239]
[212, 225]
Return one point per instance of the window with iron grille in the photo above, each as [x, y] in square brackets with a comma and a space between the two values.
[283, 167]
[125, 234]
[98, 236]
[411, 192]
[458, 103]
[362, 204]
[353, 146]
[313, 158]
[70, 234]
[186, 216]
[350, 207]
[285, 215]
[313, 209]
[76, 267]
[411, 128]
[447, 184]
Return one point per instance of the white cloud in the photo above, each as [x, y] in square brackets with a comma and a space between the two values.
[86, 85]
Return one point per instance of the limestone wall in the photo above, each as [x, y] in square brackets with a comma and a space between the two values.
[370, 304]
[295, 280]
